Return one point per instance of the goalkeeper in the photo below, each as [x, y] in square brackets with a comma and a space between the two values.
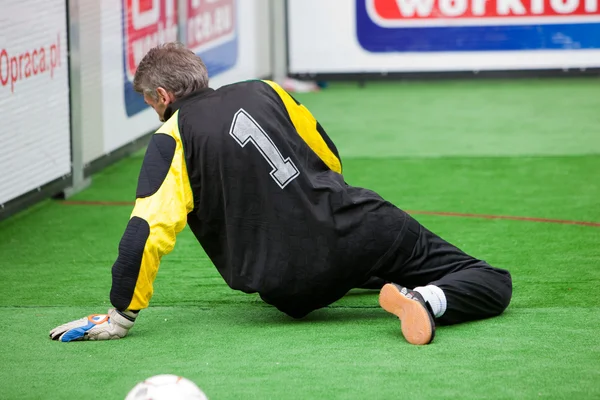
[260, 184]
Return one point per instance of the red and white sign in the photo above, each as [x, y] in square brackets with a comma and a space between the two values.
[34, 95]
[404, 13]
[209, 23]
[147, 24]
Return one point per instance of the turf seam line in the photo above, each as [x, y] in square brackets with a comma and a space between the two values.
[505, 217]
[416, 212]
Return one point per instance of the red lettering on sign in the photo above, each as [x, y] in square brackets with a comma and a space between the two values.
[397, 10]
[209, 22]
[148, 24]
[22, 66]
[4, 67]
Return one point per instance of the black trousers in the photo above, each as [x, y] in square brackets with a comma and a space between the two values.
[473, 289]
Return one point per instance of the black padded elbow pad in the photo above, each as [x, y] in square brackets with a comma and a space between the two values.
[156, 165]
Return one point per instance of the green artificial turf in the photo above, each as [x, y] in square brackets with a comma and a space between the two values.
[516, 148]
[462, 118]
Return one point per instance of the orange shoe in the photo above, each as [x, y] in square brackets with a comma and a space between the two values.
[416, 320]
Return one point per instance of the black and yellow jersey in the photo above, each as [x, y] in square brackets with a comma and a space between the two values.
[260, 184]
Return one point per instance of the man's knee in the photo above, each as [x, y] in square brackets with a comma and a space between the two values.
[296, 313]
[291, 307]
[487, 294]
[499, 282]
[505, 289]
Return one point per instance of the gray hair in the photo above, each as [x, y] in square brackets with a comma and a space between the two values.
[174, 68]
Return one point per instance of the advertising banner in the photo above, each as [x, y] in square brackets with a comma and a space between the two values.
[388, 36]
[477, 25]
[130, 28]
[146, 23]
[34, 96]
[211, 32]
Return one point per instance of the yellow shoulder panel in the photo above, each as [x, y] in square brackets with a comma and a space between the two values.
[306, 126]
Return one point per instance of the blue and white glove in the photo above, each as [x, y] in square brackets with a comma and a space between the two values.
[113, 325]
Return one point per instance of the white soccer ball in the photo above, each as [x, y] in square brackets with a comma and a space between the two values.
[166, 387]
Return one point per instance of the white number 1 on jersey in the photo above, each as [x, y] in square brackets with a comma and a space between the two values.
[245, 129]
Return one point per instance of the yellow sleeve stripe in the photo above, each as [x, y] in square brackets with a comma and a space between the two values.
[306, 126]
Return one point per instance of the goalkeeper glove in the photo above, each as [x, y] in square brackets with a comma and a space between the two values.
[113, 325]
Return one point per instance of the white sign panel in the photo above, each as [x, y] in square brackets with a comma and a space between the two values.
[379, 36]
[34, 96]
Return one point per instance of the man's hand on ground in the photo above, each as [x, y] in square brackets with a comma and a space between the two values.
[113, 325]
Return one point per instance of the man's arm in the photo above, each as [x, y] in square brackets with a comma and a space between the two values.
[163, 200]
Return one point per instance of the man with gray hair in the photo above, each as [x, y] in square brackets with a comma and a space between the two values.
[260, 184]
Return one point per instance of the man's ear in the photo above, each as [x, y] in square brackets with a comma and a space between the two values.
[164, 96]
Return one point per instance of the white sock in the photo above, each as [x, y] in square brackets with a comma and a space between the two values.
[435, 297]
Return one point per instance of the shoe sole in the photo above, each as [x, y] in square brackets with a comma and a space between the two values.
[416, 323]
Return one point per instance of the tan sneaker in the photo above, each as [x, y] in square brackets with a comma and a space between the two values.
[416, 320]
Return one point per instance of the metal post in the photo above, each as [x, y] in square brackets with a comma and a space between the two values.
[75, 87]
[182, 21]
[279, 39]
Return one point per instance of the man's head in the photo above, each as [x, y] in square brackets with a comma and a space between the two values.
[167, 73]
